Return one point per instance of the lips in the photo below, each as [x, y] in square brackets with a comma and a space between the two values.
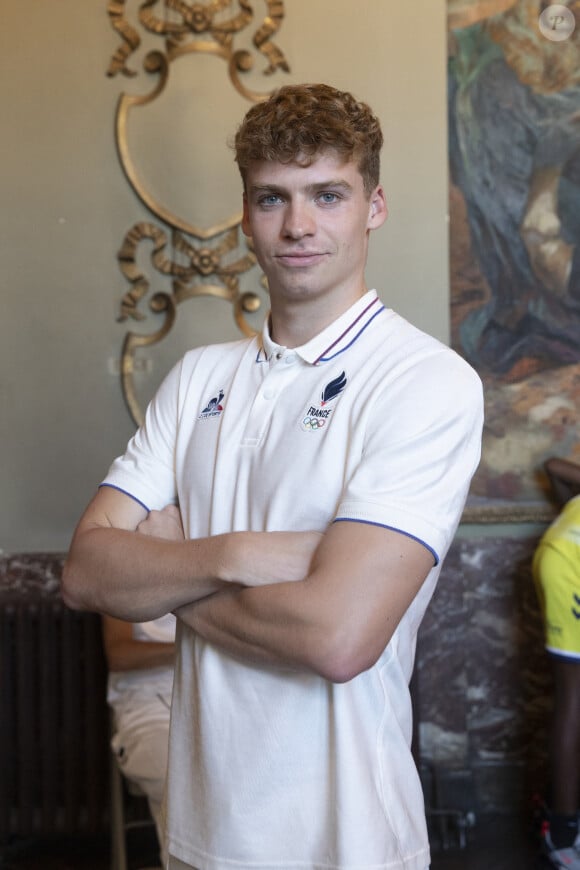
[300, 258]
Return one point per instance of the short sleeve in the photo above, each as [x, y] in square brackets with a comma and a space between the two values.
[422, 447]
[146, 471]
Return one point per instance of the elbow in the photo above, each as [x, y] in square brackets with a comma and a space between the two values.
[71, 588]
[341, 658]
[338, 673]
[342, 669]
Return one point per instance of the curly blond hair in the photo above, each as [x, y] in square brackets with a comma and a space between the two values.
[298, 122]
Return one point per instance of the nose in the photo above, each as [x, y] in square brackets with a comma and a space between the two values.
[298, 221]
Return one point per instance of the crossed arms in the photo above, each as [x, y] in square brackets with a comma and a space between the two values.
[326, 604]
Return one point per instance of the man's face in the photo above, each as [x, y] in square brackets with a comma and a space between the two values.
[310, 226]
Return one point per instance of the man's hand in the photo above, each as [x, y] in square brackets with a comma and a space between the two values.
[262, 558]
[250, 558]
[164, 524]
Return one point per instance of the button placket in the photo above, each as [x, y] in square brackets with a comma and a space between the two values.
[264, 402]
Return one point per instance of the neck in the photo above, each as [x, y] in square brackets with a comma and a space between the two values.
[294, 323]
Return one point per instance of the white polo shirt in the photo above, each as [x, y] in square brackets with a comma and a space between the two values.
[370, 421]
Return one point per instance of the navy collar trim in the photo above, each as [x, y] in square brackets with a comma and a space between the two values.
[326, 355]
[340, 344]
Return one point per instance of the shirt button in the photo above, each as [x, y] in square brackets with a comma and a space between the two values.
[279, 355]
[268, 394]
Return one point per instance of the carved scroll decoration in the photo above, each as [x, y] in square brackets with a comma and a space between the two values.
[199, 260]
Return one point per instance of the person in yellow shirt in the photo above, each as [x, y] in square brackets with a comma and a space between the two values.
[556, 572]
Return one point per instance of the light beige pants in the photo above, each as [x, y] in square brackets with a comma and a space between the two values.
[176, 864]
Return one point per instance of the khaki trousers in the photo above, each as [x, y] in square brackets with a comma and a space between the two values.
[176, 864]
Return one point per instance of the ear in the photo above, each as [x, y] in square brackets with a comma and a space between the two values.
[377, 209]
[245, 217]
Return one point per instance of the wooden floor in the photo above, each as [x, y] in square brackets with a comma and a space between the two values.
[493, 844]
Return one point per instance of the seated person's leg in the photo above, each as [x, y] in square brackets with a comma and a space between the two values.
[140, 659]
[140, 743]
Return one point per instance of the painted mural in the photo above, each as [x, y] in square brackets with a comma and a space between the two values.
[514, 151]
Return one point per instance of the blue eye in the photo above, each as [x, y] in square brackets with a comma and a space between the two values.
[328, 197]
[269, 199]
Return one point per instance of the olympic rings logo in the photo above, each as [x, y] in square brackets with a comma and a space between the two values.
[313, 423]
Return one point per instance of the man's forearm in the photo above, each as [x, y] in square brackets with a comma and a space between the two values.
[137, 577]
[140, 655]
[291, 626]
[263, 626]
[335, 623]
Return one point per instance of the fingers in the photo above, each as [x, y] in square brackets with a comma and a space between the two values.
[165, 523]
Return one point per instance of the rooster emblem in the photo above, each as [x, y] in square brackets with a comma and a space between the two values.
[214, 405]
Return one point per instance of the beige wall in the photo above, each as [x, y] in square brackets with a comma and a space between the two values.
[65, 207]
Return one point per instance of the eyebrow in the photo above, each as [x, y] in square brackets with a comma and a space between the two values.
[333, 183]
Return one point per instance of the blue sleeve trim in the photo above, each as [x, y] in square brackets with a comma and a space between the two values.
[392, 529]
[124, 491]
[563, 656]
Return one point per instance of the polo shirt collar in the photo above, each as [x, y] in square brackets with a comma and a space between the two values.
[333, 340]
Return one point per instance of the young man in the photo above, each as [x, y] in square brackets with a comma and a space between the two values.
[556, 570]
[318, 496]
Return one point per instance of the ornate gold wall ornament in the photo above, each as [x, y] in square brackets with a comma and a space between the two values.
[193, 19]
[199, 260]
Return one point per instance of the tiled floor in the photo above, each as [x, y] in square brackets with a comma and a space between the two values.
[500, 843]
